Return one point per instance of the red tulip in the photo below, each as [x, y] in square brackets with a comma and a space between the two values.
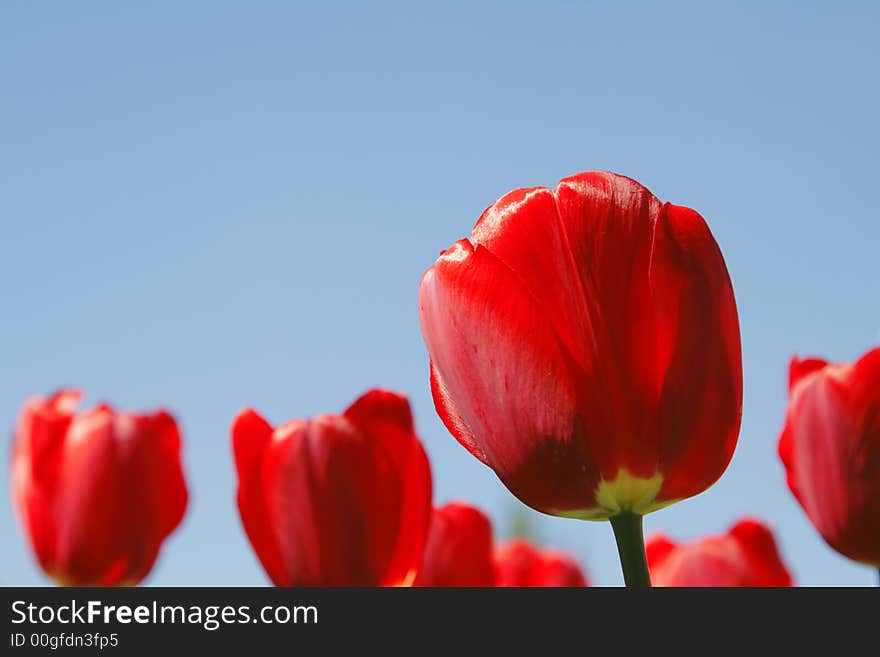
[830, 447]
[97, 493]
[459, 548]
[518, 563]
[337, 500]
[584, 344]
[745, 556]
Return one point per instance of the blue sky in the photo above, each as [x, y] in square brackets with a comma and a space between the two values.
[206, 206]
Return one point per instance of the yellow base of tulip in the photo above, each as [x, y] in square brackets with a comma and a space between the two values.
[408, 579]
[625, 493]
[62, 582]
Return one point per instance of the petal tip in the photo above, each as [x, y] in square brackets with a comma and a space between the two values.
[800, 368]
[383, 403]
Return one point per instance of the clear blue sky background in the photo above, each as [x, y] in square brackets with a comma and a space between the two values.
[213, 205]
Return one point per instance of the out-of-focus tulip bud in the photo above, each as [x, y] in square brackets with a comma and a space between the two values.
[830, 447]
[336, 500]
[746, 556]
[97, 493]
[519, 563]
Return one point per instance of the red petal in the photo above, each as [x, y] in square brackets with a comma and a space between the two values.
[509, 375]
[759, 547]
[520, 564]
[658, 549]
[156, 491]
[450, 416]
[700, 408]
[385, 419]
[745, 556]
[36, 465]
[800, 368]
[89, 486]
[251, 435]
[334, 503]
[658, 291]
[510, 229]
[459, 548]
[864, 399]
[609, 222]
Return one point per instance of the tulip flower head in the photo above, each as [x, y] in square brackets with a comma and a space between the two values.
[584, 344]
[830, 447]
[96, 493]
[336, 500]
[519, 563]
[746, 556]
[458, 551]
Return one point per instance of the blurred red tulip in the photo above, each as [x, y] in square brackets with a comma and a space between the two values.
[337, 500]
[745, 556]
[97, 493]
[584, 344]
[459, 548]
[830, 447]
[518, 563]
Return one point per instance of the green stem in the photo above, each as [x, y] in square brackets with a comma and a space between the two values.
[631, 547]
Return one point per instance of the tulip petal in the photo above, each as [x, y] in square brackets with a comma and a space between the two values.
[520, 564]
[450, 417]
[658, 288]
[509, 374]
[809, 447]
[152, 464]
[385, 418]
[88, 513]
[458, 551]
[800, 368]
[759, 548]
[37, 455]
[609, 223]
[251, 435]
[510, 229]
[864, 399]
[659, 548]
[702, 401]
[745, 556]
[334, 509]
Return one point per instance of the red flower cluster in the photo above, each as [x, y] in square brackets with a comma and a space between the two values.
[345, 500]
[584, 344]
[461, 552]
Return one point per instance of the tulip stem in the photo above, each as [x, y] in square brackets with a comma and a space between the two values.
[631, 547]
